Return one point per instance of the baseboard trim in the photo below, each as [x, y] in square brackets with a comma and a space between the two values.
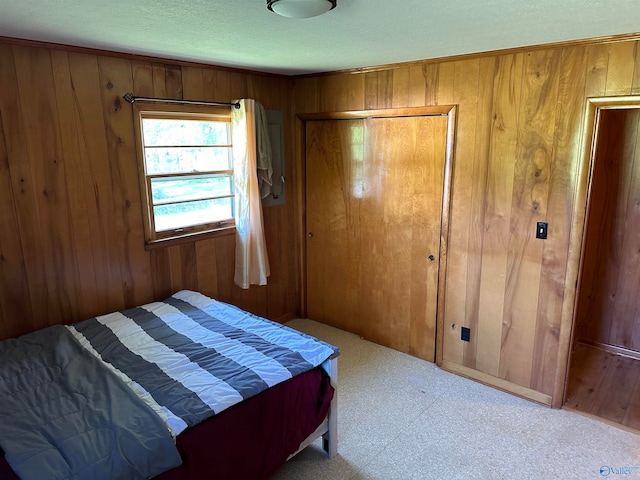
[625, 352]
[496, 382]
[286, 317]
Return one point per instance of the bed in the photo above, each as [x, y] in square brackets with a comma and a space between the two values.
[181, 389]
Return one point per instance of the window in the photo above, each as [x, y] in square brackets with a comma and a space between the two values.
[186, 170]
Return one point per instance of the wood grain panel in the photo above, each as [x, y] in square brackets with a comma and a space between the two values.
[635, 85]
[221, 85]
[23, 196]
[417, 87]
[189, 266]
[342, 93]
[563, 174]
[36, 90]
[471, 144]
[226, 266]
[430, 83]
[15, 293]
[159, 81]
[400, 93]
[306, 96]
[89, 297]
[173, 81]
[446, 83]
[143, 78]
[529, 202]
[94, 174]
[507, 85]
[620, 73]
[282, 258]
[238, 84]
[235, 293]
[192, 83]
[598, 61]
[463, 223]
[378, 89]
[135, 268]
[161, 276]
[206, 264]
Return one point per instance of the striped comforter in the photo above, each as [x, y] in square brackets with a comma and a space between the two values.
[191, 357]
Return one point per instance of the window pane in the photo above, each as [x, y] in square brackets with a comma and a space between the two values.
[179, 189]
[177, 132]
[170, 217]
[165, 160]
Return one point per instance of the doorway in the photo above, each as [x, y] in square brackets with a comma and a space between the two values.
[376, 195]
[604, 372]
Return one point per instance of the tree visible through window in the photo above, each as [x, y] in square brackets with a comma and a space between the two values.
[188, 173]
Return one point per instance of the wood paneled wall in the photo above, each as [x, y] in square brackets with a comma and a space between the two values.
[71, 234]
[517, 156]
[609, 306]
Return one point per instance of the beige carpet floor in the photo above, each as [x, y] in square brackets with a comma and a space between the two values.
[403, 418]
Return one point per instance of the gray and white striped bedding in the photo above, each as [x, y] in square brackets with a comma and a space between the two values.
[191, 357]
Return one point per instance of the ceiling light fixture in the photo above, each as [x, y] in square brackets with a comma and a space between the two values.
[301, 8]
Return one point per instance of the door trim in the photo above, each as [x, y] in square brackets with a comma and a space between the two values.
[577, 245]
[300, 178]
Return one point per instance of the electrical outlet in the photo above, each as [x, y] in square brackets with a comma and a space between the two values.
[465, 334]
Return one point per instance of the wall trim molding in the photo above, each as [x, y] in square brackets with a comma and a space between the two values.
[488, 53]
[133, 56]
[495, 382]
[615, 349]
[373, 68]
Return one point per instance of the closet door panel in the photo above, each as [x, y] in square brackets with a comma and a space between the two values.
[334, 157]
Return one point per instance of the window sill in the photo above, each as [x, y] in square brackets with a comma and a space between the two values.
[190, 237]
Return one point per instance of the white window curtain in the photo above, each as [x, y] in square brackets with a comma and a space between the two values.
[252, 264]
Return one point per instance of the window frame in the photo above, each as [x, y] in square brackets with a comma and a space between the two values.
[143, 110]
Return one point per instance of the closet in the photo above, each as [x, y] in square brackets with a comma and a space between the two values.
[374, 225]
[604, 372]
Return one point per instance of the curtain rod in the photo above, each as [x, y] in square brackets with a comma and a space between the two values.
[130, 97]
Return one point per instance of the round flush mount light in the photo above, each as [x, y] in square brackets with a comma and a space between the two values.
[300, 8]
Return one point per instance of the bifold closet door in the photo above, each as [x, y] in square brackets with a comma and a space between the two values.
[374, 201]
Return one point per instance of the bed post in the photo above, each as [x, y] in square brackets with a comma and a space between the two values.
[330, 438]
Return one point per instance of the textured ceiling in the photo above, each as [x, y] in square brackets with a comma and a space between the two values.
[357, 33]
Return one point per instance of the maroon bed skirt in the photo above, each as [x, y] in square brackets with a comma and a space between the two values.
[251, 440]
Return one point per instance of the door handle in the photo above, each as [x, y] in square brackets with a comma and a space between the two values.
[310, 234]
[431, 258]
